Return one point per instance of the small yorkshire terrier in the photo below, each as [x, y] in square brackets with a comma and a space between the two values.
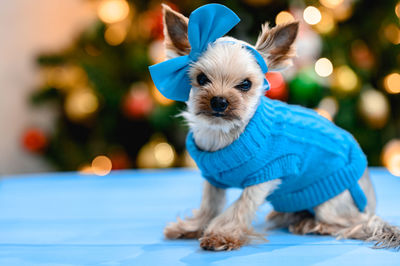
[227, 87]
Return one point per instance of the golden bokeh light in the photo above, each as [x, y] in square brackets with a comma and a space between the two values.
[115, 34]
[283, 17]
[327, 23]
[324, 113]
[397, 10]
[156, 154]
[323, 67]
[392, 83]
[80, 103]
[330, 105]
[391, 156]
[157, 51]
[392, 33]
[345, 80]
[101, 165]
[164, 154]
[374, 108]
[331, 3]
[85, 169]
[111, 11]
[312, 15]
[159, 97]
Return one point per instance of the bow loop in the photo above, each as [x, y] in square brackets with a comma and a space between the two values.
[207, 24]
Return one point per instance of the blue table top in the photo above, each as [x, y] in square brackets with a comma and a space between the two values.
[70, 219]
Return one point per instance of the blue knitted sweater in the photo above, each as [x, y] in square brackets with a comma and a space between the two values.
[315, 159]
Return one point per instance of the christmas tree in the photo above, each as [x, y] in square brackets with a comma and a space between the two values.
[110, 115]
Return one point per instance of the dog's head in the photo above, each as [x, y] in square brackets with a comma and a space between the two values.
[226, 80]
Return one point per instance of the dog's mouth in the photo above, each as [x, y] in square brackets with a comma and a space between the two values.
[222, 115]
[218, 114]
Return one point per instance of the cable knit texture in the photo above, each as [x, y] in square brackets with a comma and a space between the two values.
[315, 159]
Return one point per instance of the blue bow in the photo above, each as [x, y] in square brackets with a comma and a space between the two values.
[206, 25]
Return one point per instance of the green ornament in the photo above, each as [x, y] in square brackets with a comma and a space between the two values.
[305, 88]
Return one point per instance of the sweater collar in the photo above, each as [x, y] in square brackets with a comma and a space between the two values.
[241, 150]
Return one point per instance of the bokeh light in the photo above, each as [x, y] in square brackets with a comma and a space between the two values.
[156, 154]
[392, 33]
[312, 15]
[330, 105]
[327, 23]
[161, 99]
[283, 17]
[397, 10]
[323, 67]
[345, 80]
[331, 3]
[164, 154]
[324, 113]
[374, 108]
[101, 165]
[391, 156]
[80, 103]
[111, 11]
[392, 83]
[115, 34]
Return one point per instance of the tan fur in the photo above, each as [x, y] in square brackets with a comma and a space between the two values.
[175, 33]
[276, 44]
[232, 228]
[212, 203]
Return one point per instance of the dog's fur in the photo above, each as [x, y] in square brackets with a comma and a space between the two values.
[226, 65]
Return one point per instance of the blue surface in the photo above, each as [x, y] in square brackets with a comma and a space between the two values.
[68, 219]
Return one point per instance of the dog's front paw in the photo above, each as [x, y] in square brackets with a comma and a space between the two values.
[181, 229]
[219, 241]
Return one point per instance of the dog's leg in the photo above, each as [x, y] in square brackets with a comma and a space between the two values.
[341, 218]
[212, 203]
[232, 228]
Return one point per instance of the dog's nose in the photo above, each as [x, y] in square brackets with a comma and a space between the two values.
[219, 104]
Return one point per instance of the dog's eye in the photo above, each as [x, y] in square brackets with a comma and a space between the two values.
[245, 85]
[202, 79]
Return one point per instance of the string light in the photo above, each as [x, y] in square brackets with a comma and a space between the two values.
[101, 165]
[391, 156]
[164, 154]
[323, 67]
[283, 17]
[115, 34]
[111, 11]
[392, 83]
[331, 3]
[311, 15]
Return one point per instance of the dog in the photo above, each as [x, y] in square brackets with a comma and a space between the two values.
[227, 88]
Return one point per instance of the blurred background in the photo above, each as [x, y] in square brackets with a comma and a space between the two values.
[76, 94]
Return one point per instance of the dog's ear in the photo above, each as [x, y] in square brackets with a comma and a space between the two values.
[276, 44]
[175, 33]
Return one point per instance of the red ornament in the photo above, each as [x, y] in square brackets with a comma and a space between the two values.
[34, 140]
[120, 161]
[138, 104]
[277, 86]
